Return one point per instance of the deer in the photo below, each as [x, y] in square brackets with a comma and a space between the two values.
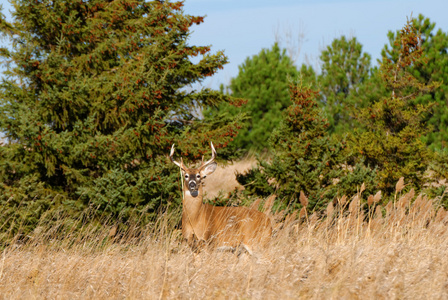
[223, 228]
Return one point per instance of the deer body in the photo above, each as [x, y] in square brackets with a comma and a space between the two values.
[219, 227]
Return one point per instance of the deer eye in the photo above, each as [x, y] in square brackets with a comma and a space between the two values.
[186, 176]
[198, 176]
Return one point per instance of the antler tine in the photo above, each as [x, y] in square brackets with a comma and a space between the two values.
[211, 159]
[181, 164]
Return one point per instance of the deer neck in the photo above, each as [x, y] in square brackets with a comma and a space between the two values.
[192, 205]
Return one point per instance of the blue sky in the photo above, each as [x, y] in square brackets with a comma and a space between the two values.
[243, 27]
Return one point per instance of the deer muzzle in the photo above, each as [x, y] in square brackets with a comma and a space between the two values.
[192, 186]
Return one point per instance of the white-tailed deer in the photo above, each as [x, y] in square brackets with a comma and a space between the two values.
[220, 227]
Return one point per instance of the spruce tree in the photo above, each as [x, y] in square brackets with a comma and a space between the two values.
[435, 48]
[305, 158]
[395, 123]
[94, 94]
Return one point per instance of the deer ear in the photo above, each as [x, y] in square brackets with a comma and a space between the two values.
[209, 169]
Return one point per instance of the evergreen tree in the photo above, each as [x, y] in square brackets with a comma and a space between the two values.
[305, 158]
[435, 49]
[395, 123]
[93, 97]
[308, 77]
[263, 81]
[345, 68]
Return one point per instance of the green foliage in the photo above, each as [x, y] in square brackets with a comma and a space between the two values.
[437, 184]
[305, 158]
[345, 68]
[308, 76]
[434, 69]
[263, 81]
[93, 97]
[440, 165]
[395, 124]
[435, 47]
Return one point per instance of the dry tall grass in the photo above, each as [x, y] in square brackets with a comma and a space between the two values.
[398, 253]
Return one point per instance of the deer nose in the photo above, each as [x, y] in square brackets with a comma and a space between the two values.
[192, 185]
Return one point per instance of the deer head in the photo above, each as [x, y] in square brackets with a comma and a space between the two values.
[193, 176]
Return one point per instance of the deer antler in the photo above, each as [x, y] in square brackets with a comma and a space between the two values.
[181, 164]
[211, 159]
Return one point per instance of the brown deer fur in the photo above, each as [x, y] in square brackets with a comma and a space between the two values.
[219, 227]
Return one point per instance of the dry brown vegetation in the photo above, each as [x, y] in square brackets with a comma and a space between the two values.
[223, 180]
[399, 252]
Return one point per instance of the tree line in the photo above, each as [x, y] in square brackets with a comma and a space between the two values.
[94, 93]
[349, 122]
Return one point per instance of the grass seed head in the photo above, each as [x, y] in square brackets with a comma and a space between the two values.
[400, 184]
[302, 213]
[255, 205]
[303, 199]
[377, 197]
[363, 188]
[269, 203]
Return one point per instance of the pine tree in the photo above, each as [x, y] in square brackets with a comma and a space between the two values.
[345, 68]
[93, 97]
[263, 81]
[395, 124]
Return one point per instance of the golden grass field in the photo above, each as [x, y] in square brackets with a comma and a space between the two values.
[399, 254]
